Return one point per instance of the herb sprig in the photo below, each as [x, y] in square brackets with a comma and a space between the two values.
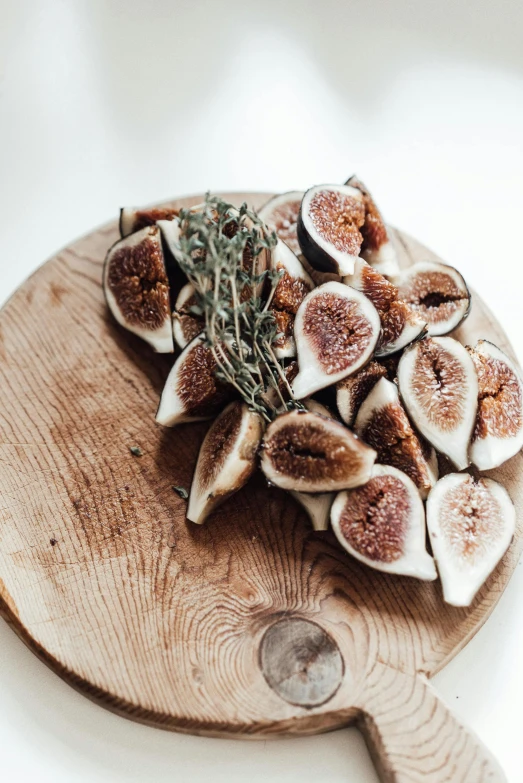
[223, 250]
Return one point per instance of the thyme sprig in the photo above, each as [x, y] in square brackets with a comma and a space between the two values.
[222, 249]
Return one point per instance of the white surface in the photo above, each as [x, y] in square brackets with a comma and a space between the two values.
[104, 104]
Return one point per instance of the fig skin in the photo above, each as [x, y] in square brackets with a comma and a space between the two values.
[438, 292]
[226, 461]
[377, 248]
[471, 523]
[340, 211]
[382, 524]
[136, 288]
[336, 330]
[498, 431]
[192, 391]
[439, 387]
[383, 424]
[308, 452]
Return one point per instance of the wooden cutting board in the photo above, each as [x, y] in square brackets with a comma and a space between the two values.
[250, 626]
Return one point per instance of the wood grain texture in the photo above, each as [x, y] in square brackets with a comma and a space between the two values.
[161, 620]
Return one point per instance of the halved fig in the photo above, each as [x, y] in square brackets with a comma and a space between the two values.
[192, 392]
[383, 424]
[226, 461]
[382, 524]
[498, 432]
[336, 330]
[280, 214]
[471, 523]
[351, 391]
[311, 453]
[186, 325]
[284, 345]
[329, 224]
[274, 397]
[437, 292]
[137, 289]
[291, 290]
[439, 387]
[377, 247]
[317, 506]
[400, 324]
[133, 219]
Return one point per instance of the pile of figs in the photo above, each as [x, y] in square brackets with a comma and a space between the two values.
[386, 400]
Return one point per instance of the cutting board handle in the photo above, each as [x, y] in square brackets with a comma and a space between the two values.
[413, 737]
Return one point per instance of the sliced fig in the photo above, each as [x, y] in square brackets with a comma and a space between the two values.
[351, 391]
[186, 325]
[471, 523]
[329, 224]
[137, 289]
[317, 506]
[437, 292]
[400, 324]
[336, 330]
[307, 452]
[274, 397]
[294, 284]
[382, 524]
[284, 345]
[133, 219]
[377, 247]
[280, 214]
[192, 392]
[498, 432]
[226, 461]
[439, 387]
[383, 424]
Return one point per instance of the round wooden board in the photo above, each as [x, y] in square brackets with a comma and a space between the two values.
[183, 626]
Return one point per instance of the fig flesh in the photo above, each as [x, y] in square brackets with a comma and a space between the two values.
[377, 247]
[382, 524]
[336, 330]
[351, 391]
[498, 431]
[400, 324]
[137, 289]
[133, 219]
[226, 461]
[383, 424]
[291, 289]
[471, 524]
[329, 224]
[280, 214]
[317, 506]
[186, 325]
[307, 452]
[439, 388]
[437, 292]
[192, 392]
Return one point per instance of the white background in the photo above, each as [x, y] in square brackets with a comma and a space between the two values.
[110, 103]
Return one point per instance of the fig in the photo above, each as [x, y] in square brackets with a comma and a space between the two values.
[439, 387]
[400, 324]
[383, 424]
[192, 391]
[336, 330]
[351, 391]
[471, 523]
[307, 452]
[291, 289]
[280, 214]
[329, 224]
[284, 345]
[382, 524]
[317, 506]
[498, 431]
[186, 325]
[132, 219]
[226, 461]
[137, 289]
[437, 292]
[377, 247]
